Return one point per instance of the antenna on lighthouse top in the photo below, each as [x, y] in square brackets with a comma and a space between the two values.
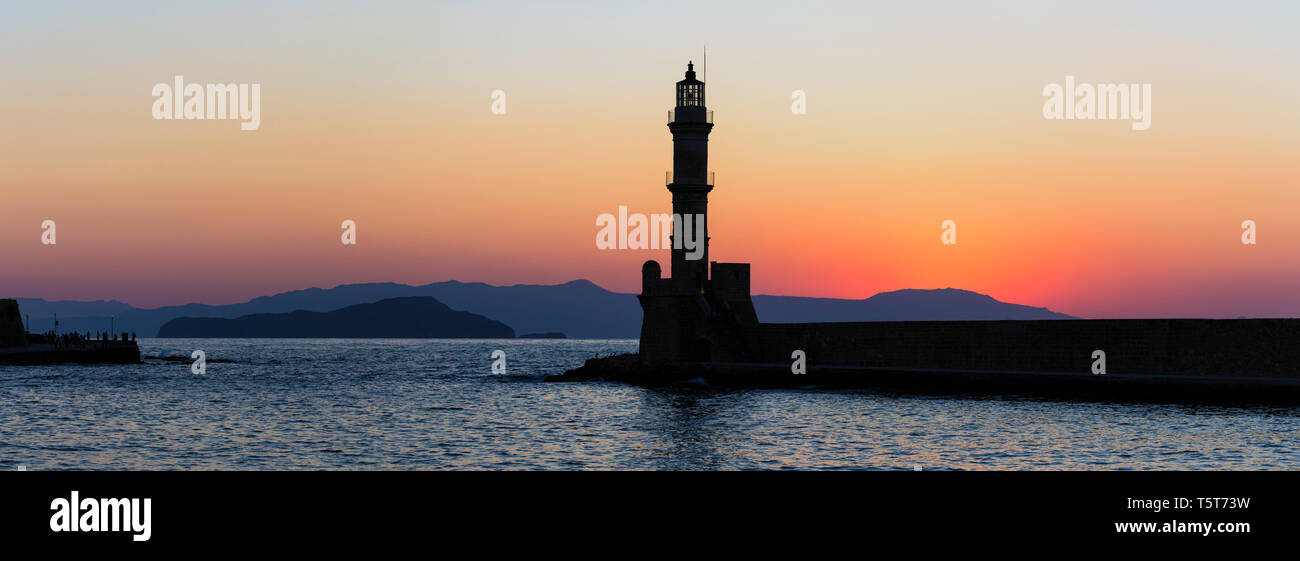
[706, 64]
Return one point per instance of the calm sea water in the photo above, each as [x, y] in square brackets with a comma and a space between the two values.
[435, 404]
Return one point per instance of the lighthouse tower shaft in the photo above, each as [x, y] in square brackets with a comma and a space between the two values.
[690, 183]
[703, 311]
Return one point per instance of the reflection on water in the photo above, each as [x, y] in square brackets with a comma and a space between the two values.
[401, 404]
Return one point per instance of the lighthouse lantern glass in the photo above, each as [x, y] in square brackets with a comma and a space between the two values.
[690, 94]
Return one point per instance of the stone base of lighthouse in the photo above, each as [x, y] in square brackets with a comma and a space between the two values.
[683, 323]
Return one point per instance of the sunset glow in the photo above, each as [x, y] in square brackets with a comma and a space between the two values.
[904, 129]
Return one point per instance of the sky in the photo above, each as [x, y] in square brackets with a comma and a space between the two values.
[916, 113]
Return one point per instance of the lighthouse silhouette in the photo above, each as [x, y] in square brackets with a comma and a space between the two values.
[690, 122]
[700, 323]
[697, 313]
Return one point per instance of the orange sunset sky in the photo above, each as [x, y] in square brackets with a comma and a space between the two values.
[916, 113]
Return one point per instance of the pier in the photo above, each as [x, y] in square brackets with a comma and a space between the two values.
[18, 347]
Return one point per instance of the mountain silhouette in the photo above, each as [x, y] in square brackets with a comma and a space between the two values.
[420, 317]
[579, 309]
[38, 308]
[943, 304]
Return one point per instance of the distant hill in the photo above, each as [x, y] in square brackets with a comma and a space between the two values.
[419, 317]
[943, 304]
[80, 316]
[579, 309]
[38, 308]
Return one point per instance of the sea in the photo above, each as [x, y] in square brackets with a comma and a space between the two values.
[402, 404]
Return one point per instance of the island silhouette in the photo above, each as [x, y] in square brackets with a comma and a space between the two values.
[412, 317]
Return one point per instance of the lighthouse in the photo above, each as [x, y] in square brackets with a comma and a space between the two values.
[701, 311]
[690, 182]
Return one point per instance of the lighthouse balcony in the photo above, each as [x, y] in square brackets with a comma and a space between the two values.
[690, 115]
[669, 179]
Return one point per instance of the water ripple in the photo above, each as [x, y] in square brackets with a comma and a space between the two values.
[435, 404]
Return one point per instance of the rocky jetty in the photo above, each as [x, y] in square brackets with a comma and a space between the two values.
[616, 368]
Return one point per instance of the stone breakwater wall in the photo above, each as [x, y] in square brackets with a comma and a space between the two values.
[115, 353]
[1184, 347]
[1251, 361]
